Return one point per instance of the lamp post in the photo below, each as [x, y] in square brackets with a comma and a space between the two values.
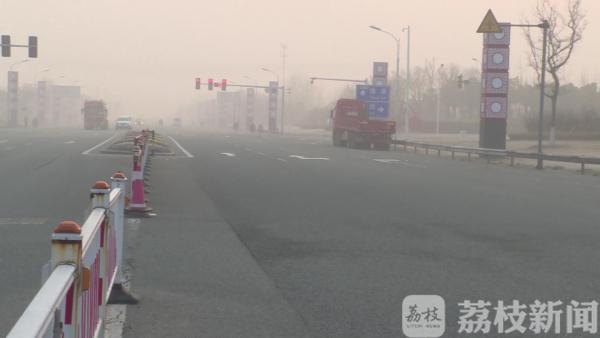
[544, 26]
[439, 93]
[18, 63]
[397, 70]
[35, 77]
[251, 79]
[407, 96]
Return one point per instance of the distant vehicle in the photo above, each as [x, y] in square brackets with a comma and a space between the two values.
[177, 122]
[95, 115]
[353, 128]
[124, 122]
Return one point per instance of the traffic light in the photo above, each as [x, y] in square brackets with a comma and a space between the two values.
[6, 45]
[223, 85]
[33, 47]
[210, 84]
[198, 83]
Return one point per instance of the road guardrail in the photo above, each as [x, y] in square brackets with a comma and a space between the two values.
[497, 153]
[85, 272]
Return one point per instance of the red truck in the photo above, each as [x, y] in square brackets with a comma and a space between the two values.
[353, 128]
[95, 115]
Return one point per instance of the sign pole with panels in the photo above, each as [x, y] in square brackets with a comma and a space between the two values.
[376, 96]
[249, 108]
[273, 89]
[494, 87]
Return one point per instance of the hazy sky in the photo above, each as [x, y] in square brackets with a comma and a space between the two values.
[145, 54]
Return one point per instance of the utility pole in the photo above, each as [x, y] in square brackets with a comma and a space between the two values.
[407, 89]
[540, 161]
[283, 56]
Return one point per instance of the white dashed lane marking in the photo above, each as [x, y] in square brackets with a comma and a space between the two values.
[228, 154]
[309, 158]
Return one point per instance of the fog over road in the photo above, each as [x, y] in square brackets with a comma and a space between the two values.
[287, 236]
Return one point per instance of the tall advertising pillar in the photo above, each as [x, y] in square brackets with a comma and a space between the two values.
[12, 102]
[494, 88]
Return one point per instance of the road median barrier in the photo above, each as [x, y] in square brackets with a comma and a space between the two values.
[85, 272]
[125, 144]
[137, 203]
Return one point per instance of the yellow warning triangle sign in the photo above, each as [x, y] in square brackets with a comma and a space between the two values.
[489, 24]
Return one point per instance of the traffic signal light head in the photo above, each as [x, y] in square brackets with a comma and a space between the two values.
[6, 45]
[198, 83]
[223, 84]
[33, 47]
[210, 84]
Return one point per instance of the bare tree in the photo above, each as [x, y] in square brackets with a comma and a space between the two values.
[563, 34]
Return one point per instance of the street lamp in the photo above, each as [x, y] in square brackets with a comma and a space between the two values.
[251, 79]
[397, 69]
[439, 93]
[35, 77]
[406, 111]
[18, 63]
[272, 72]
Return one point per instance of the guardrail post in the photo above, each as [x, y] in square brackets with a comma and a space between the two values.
[453, 154]
[512, 161]
[66, 249]
[119, 293]
[469, 157]
[582, 168]
[100, 195]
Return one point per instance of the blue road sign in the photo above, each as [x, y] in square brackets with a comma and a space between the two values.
[379, 109]
[372, 93]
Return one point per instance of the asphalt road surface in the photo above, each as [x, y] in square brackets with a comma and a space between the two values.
[287, 236]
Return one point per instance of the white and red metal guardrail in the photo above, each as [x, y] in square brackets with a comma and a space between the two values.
[86, 263]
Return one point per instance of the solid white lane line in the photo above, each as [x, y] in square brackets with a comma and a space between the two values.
[282, 160]
[69, 142]
[261, 153]
[187, 153]
[99, 145]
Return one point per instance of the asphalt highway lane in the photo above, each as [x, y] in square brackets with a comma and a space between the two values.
[288, 236]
